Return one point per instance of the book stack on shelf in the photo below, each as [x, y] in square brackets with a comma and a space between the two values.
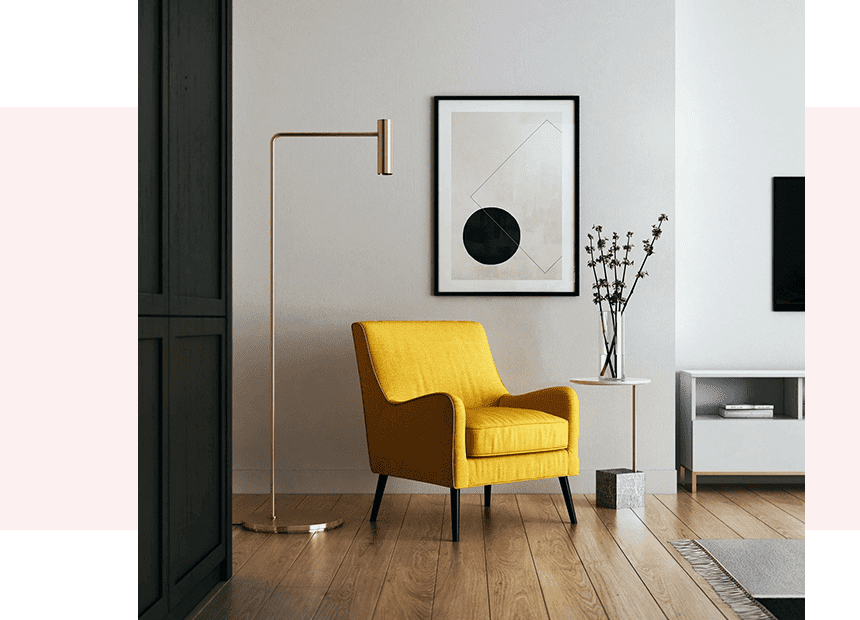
[746, 411]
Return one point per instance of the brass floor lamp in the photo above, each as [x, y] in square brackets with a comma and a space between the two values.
[298, 520]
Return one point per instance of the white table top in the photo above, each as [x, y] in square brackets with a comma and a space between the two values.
[598, 381]
[745, 374]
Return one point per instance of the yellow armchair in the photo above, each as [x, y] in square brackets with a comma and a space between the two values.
[436, 410]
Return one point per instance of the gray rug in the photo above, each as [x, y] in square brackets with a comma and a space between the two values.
[752, 575]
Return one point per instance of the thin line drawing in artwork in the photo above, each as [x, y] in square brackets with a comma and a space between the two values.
[472, 196]
[519, 246]
[509, 156]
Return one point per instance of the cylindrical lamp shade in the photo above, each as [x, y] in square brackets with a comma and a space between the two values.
[383, 146]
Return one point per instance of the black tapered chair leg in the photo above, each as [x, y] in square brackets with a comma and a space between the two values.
[487, 491]
[565, 490]
[455, 515]
[377, 499]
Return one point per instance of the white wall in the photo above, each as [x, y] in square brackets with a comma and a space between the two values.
[355, 246]
[739, 122]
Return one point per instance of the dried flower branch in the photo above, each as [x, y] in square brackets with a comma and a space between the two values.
[610, 290]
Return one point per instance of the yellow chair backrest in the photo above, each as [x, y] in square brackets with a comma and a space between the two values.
[413, 358]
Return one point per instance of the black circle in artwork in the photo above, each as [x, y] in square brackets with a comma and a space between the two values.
[491, 235]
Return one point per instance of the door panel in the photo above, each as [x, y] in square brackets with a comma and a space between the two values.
[197, 450]
[196, 178]
[151, 218]
[152, 364]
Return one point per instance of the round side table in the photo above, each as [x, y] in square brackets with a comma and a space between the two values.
[619, 488]
[627, 381]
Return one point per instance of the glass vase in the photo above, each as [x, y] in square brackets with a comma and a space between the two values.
[611, 346]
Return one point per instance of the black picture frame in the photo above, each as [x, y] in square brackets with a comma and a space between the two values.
[506, 195]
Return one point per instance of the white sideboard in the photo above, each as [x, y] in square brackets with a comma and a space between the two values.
[712, 445]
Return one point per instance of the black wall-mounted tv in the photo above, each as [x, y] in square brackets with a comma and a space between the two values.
[789, 236]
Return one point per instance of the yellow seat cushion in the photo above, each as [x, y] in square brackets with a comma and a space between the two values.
[497, 431]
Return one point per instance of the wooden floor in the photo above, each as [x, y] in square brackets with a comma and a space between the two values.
[520, 559]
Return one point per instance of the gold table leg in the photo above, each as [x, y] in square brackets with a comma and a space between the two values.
[634, 428]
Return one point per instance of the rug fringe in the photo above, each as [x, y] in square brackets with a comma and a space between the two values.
[730, 591]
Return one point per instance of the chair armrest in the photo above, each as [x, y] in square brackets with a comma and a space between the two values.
[559, 401]
[420, 439]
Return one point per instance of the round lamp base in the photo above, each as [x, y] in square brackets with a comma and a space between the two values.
[295, 521]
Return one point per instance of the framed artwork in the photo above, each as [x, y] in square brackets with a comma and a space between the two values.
[507, 195]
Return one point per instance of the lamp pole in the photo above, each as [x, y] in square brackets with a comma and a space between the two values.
[298, 520]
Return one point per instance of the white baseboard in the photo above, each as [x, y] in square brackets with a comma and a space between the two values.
[364, 481]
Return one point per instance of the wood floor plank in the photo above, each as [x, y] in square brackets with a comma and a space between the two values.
[244, 505]
[246, 592]
[622, 593]
[249, 588]
[567, 590]
[729, 512]
[303, 587]
[798, 492]
[696, 517]
[286, 603]
[282, 502]
[514, 588]
[769, 514]
[245, 544]
[666, 526]
[791, 504]
[677, 595]
[461, 574]
[321, 558]
[354, 591]
[411, 580]
[662, 522]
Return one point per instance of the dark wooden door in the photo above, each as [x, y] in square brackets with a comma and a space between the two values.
[184, 414]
